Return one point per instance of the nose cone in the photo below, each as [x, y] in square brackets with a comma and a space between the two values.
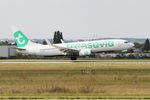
[132, 45]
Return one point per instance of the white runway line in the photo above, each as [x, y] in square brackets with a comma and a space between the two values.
[37, 62]
[29, 62]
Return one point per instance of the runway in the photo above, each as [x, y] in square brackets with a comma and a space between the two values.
[36, 62]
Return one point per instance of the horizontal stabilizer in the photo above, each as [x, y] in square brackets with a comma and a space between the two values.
[21, 49]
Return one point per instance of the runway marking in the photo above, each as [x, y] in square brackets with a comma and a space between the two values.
[34, 62]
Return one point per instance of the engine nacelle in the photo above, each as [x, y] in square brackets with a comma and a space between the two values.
[85, 52]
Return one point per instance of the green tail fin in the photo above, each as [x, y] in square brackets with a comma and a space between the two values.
[20, 39]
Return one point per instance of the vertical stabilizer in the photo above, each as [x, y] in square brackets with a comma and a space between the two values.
[21, 40]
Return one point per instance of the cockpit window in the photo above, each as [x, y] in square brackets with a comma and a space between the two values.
[126, 42]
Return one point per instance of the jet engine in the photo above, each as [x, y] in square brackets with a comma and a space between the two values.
[85, 52]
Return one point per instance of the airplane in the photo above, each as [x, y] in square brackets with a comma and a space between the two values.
[72, 49]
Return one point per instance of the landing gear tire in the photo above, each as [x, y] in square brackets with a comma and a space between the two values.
[73, 58]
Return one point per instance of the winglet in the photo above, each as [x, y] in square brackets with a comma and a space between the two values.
[62, 41]
[47, 41]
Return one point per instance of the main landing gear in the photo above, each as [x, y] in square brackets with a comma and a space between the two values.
[73, 58]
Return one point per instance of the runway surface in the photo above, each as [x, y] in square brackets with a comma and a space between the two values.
[16, 62]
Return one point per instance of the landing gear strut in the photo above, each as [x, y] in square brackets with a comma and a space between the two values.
[73, 58]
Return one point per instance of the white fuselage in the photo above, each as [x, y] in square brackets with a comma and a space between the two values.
[94, 46]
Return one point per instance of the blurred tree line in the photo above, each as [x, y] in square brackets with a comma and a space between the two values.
[58, 37]
[145, 47]
[139, 45]
[4, 43]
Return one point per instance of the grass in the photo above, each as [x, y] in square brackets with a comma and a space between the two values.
[74, 97]
[75, 80]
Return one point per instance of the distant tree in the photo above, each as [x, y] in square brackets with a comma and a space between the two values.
[138, 45]
[57, 37]
[54, 38]
[61, 36]
[4, 43]
[146, 46]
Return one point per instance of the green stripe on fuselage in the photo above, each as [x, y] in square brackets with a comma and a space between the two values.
[90, 45]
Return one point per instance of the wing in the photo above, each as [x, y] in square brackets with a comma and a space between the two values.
[66, 50]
